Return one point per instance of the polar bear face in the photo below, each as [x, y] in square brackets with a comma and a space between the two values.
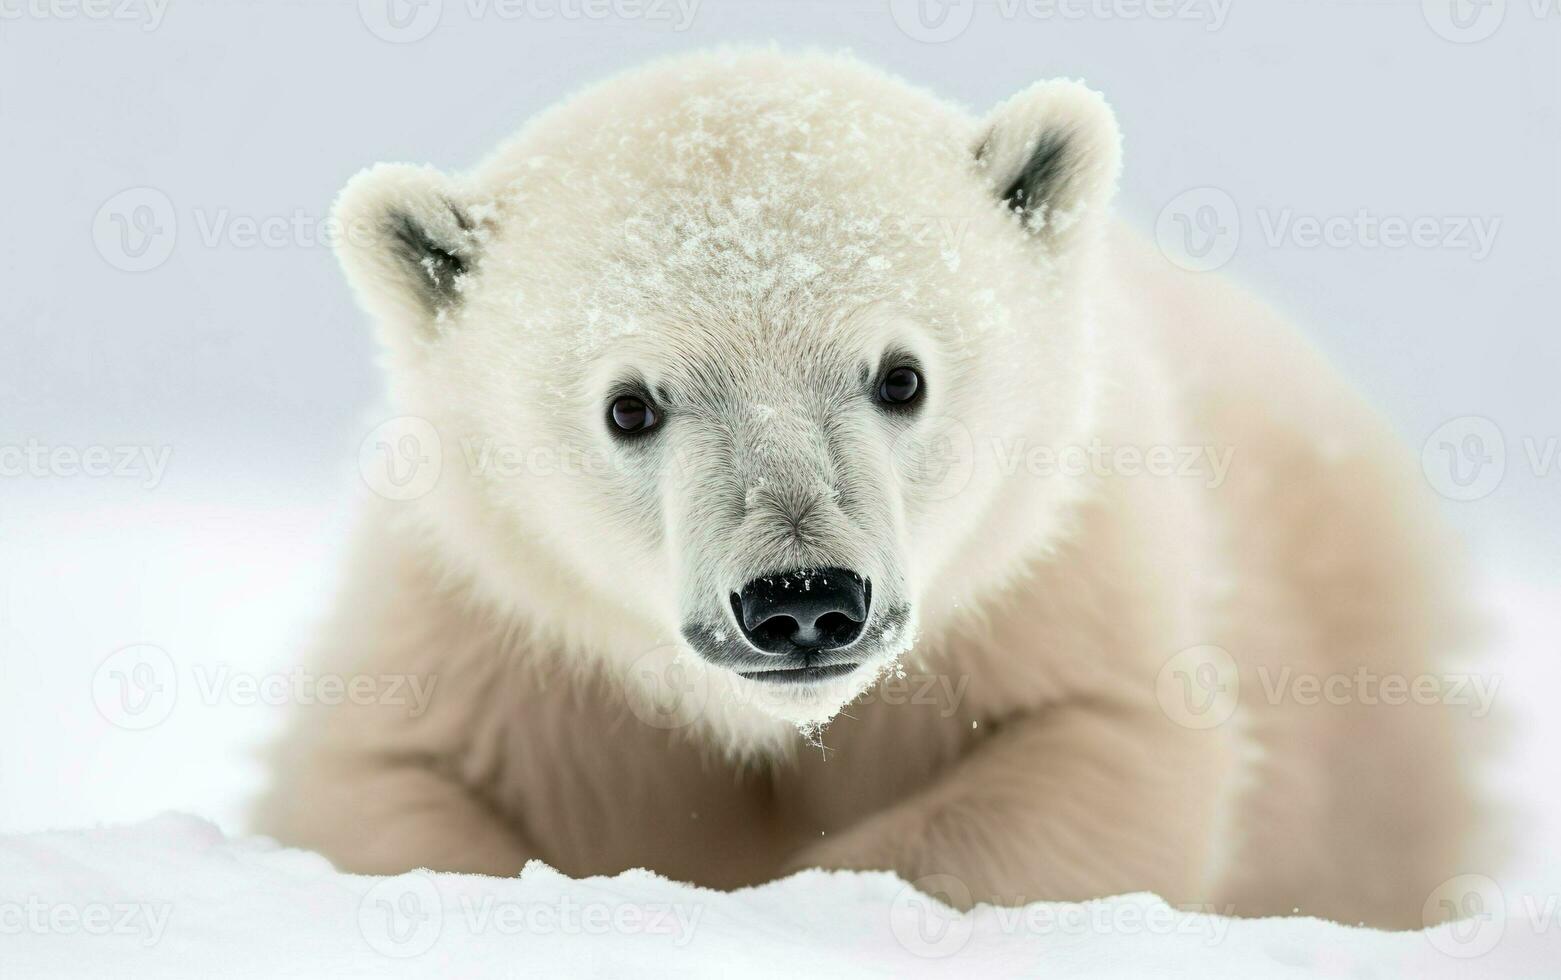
[726, 356]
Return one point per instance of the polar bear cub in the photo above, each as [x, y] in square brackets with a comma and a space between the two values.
[825, 479]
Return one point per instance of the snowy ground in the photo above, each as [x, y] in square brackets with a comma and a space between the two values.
[226, 578]
[173, 898]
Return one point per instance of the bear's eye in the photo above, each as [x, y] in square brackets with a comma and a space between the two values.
[632, 415]
[900, 387]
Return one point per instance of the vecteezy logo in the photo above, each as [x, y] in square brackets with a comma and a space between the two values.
[1465, 916]
[1465, 459]
[932, 21]
[1464, 21]
[135, 687]
[1199, 229]
[1199, 687]
[403, 916]
[402, 458]
[936, 456]
[925, 916]
[665, 690]
[135, 230]
[400, 21]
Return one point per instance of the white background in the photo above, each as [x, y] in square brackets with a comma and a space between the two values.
[249, 363]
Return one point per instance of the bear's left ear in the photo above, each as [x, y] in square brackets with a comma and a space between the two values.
[1052, 154]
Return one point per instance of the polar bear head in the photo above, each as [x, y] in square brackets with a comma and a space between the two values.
[725, 358]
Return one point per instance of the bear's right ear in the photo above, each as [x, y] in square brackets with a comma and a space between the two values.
[407, 243]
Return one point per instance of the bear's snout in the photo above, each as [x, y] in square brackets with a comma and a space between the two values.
[804, 611]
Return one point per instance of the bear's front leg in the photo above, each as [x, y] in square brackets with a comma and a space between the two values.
[388, 817]
[1080, 801]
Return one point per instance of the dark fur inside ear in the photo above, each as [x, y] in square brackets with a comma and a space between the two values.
[435, 263]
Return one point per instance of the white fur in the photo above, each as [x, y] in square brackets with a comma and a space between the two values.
[745, 230]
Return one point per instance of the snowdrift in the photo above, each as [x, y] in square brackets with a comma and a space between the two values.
[174, 897]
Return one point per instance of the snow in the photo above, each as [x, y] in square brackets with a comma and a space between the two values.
[173, 897]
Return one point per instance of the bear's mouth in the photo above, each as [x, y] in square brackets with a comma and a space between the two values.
[806, 674]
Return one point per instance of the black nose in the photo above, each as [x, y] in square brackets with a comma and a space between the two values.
[809, 609]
